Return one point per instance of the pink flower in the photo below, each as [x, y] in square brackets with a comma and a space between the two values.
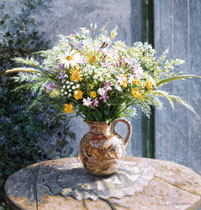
[121, 79]
[117, 65]
[95, 103]
[106, 64]
[87, 102]
[130, 79]
[83, 60]
[114, 53]
[104, 97]
[128, 60]
[137, 70]
[70, 36]
[84, 30]
[101, 50]
[107, 86]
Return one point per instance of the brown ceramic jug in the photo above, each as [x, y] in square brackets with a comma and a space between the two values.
[102, 150]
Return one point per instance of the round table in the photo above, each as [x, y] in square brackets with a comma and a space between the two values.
[172, 187]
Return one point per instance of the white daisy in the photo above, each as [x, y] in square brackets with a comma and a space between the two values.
[69, 58]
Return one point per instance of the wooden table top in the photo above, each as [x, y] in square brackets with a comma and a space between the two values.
[173, 187]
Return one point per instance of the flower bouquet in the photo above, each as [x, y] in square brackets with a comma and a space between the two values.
[99, 78]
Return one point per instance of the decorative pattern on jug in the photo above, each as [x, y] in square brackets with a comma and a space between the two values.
[102, 150]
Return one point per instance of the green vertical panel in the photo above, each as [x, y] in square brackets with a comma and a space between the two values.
[148, 36]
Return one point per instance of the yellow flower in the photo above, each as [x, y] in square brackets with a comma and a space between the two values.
[137, 52]
[107, 58]
[77, 68]
[113, 33]
[124, 81]
[93, 94]
[136, 81]
[78, 94]
[91, 59]
[75, 74]
[144, 59]
[68, 108]
[91, 86]
[124, 84]
[55, 93]
[135, 92]
[149, 85]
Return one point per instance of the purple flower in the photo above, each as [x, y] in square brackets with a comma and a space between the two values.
[104, 97]
[61, 66]
[52, 71]
[107, 86]
[62, 76]
[50, 86]
[95, 103]
[87, 102]
[80, 45]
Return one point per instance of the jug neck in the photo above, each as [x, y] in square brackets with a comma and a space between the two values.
[98, 127]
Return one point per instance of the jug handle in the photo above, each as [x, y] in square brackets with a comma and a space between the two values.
[129, 132]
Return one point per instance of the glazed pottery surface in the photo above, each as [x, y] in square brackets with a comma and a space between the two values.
[102, 150]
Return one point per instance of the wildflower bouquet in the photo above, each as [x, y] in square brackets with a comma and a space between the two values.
[98, 77]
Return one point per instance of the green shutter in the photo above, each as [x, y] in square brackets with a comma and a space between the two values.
[148, 36]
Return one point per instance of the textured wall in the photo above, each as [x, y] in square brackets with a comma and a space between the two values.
[66, 16]
[178, 131]
[63, 17]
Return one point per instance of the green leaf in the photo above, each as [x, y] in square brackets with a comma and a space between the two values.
[175, 98]
[163, 94]
[106, 112]
[162, 82]
[117, 101]
[89, 115]
[34, 102]
[28, 61]
[21, 87]
[98, 116]
[179, 100]
[23, 69]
